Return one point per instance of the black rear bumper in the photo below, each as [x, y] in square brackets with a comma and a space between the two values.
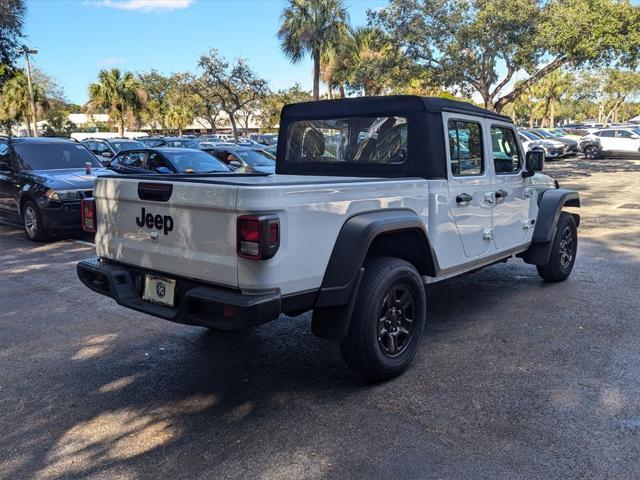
[196, 303]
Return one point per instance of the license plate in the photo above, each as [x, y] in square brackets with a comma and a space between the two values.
[159, 290]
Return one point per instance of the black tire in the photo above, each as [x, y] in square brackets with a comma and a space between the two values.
[367, 349]
[591, 152]
[32, 223]
[563, 251]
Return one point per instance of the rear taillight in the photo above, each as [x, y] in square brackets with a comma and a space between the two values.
[258, 236]
[88, 209]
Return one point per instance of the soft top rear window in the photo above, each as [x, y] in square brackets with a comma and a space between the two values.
[349, 140]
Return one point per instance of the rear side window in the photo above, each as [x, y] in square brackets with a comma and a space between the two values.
[357, 140]
[506, 156]
[465, 148]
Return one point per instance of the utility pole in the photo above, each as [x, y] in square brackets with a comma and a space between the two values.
[29, 51]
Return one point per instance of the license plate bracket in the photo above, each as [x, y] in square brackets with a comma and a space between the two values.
[159, 290]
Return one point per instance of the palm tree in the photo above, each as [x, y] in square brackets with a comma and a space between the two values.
[15, 104]
[550, 90]
[119, 94]
[312, 27]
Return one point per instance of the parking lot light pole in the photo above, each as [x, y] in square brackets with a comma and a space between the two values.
[30, 51]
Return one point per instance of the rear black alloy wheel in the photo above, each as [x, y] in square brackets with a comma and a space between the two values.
[591, 152]
[33, 225]
[563, 250]
[387, 321]
[396, 320]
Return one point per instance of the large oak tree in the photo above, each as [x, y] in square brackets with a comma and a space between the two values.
[480, 45]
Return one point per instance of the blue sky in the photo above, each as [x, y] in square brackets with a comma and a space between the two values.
[76, 39]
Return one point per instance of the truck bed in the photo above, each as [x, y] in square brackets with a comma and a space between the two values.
[203, 211]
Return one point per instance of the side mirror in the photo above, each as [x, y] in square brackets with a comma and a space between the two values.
[105, 162]
[634, 136]
[106, 154]
[235, 163]
[162, 170]
[534, 162]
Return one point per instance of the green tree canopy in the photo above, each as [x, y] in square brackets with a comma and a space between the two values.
[11, 21]
[479, 45]
[232, 86]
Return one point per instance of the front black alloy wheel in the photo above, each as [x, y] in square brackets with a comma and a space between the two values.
[388, 320]
[563, 250]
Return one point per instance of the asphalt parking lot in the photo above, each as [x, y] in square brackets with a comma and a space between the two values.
[515, 378]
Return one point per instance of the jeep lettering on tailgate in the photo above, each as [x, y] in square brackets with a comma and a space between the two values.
[159, 222]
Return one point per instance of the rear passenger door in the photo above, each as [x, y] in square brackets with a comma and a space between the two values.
[469, 182]
[511, 199]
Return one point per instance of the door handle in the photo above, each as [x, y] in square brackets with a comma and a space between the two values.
[464, 198]
[502, 194]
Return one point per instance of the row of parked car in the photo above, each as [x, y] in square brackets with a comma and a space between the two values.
[167, 155]
[43, 180]
[593, 143]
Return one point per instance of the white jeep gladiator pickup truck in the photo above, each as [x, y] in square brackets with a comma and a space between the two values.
[372, 199]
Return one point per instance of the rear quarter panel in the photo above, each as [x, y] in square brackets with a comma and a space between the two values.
[311, 218]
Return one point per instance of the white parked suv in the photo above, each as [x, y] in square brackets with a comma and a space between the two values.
[372, 199]
[611, 141]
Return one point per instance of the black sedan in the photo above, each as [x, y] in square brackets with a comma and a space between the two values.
[42, 181]
[164, 160]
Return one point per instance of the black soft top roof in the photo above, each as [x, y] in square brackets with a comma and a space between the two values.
[394, 104]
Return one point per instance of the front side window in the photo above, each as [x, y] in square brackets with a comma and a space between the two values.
[465, 148]
[195, 161]
[132, 159]
[605, 133]
[506, 157]
[351, 140]
[623, 134]
[257, 158]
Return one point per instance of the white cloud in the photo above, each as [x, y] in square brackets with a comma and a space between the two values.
[111, 61]
[141, 5]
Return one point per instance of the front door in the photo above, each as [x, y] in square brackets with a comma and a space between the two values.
[511, 208]
[470, 194]
[627, 142]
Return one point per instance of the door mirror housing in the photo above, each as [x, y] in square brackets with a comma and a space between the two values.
[162, 170]
[634, 136]
[534, 162]
[235, 163]
[107, 154]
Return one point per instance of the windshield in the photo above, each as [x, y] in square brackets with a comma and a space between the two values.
[257, 158]
[127, 145]
[530, 136]
[377, 140]
[195, 161]
[54, 156]
[183, 143]
[543, 134]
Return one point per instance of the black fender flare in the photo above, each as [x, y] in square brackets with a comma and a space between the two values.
[336, 297]
[550, 205]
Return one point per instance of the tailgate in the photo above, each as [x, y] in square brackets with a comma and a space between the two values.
[181, 228]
